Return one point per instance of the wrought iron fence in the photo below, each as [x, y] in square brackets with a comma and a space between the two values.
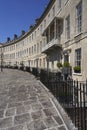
[72, 95]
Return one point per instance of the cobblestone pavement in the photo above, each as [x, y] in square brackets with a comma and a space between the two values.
[25, 104]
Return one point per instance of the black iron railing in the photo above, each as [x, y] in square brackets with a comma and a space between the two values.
[72, 95]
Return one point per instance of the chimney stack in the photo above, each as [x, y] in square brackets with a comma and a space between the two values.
[15, 36]
[36, 20]
[23, 32]
[8, 39]
[31, 26]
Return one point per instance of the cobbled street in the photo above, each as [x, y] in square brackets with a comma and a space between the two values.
[25, 104]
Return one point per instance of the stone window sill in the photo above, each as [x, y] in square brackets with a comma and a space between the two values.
[77, 35]
[78, 74]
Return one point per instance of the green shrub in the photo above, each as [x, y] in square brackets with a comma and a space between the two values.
[59, 65]
[66, 64]
[77, 69]
[21, 63]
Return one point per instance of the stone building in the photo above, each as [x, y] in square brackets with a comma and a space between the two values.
[59, 35]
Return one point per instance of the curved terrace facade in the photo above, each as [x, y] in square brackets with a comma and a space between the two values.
[59, 35]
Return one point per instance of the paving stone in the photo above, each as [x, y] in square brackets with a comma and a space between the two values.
[62, 128]
[50, 122]
[19, 127]
[10, 112]
[13, 98]
[27, 107]
[22, 97]
[47, 104]
[3, 98]
[43, 98]
[22, 88]
[12, 91]
[20, 110]
[20, 119]
[50, 112]
[14, 104]
[36, 107]
[40, 91]
[2, 129]
[36, 125]
[37, 115]
[3, 105]
[30, 88]
[1, 113]
[19, 97]
[52, 129]
[6, 122]
[30, 101]
[58, 120]
[33, 93]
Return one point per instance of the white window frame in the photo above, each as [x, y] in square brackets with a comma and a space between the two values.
[79, 17]
[78, 57]
[68, 27]
[53, 10]
[60, 3]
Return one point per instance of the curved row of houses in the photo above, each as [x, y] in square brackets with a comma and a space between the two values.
[59, 35]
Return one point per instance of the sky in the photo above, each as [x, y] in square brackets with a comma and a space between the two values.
[18, 15]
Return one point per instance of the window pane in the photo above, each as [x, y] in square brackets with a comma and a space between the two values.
[68, 27]
[78, 57]
[79, 17]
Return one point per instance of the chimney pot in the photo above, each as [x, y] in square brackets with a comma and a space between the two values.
[15, 36]
[8, 39]
[23, 32]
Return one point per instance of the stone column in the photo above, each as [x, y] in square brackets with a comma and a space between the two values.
[47, 64]
[49, 34]
[55, 28]
[37, 63]
[29, 63]
[45, 39]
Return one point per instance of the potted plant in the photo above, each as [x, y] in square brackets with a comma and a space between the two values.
[59, 65]
[66, 68]
[66, 64]
[77, 69]
[21, 65]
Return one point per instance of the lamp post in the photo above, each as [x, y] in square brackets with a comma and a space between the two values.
[1, 50]
[1, 58]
